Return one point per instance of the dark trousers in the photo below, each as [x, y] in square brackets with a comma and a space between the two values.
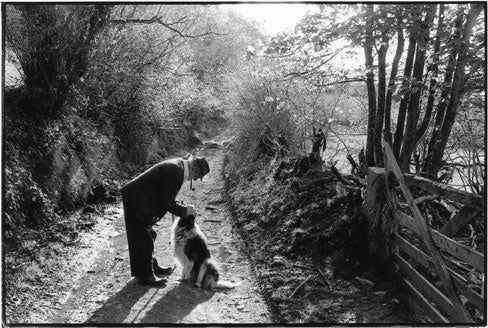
[140, 237]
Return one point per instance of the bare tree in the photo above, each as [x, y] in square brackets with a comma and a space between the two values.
[442, 132]
[52, 44]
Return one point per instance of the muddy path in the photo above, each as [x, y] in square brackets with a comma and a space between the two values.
[105, 292]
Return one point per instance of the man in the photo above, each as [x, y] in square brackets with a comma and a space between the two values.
[146, 199]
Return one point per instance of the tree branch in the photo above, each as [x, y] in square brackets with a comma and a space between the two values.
[332, 55]
[178, 21]
[477, 48]
[158, 20]
[338, 82]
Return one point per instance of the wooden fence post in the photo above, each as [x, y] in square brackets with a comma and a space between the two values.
[378, 217]
[460, 314]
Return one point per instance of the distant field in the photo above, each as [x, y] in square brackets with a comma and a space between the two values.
[12, 74]
[337, 151]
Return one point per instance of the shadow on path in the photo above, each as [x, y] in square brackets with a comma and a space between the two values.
[175, 303]
[118, 307]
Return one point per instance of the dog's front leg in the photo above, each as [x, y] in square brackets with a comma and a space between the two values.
[186, 275]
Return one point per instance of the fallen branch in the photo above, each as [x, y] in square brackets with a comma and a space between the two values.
[364, 281]
[218, 201]
[298, 189]
[472, 237]
[302, 266]
[318, 173]
[357, 180]
[299, 286]
[325, 278]
[339, 175]
[213, 190]
[305, 296]
[425, 198]
[355, 166]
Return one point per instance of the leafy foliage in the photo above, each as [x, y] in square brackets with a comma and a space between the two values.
[321, 49]
[127, 86]
[24, 203]
[52, 43]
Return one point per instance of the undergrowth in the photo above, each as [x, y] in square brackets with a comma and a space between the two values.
[290, 235]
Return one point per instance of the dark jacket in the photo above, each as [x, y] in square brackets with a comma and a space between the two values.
[154, 191]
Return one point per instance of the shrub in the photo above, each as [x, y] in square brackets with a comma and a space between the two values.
[52, 43]
[261, 102]
[25, 204]
[79, 158]
[49, 165]
[130, 86]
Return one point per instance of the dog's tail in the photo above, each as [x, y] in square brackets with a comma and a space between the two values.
[223, 284]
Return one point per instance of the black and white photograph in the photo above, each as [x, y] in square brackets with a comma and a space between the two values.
[254, 163]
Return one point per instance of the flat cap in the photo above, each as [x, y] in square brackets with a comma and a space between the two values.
[202, 166]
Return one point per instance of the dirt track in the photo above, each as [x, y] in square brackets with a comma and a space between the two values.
[93, 285]
[107, 294]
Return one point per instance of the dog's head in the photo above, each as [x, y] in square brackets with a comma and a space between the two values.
[187, 223]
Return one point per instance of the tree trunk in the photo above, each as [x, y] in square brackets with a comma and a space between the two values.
[441, 108]
[368, 55]
[380, 110]
[414, 104]
[433, 81]
[54, 50]
[391, 82]
[412, 42]
[457, 84]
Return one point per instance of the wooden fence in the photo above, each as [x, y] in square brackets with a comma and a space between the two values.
[430, 263]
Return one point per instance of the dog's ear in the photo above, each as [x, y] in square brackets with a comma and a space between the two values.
[187, 222]
[183, 222]
[190, 222]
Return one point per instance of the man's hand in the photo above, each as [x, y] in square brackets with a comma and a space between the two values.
[190, 210]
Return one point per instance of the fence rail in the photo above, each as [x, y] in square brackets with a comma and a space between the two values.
[445, 191]
[458, 250]
[426, 261]
[427, 264]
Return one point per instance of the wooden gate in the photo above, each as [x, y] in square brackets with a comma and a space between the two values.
[431, 264]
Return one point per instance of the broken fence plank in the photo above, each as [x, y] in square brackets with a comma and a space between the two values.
[413, 252]
[459, 251]
[433, 313]
[445, 191]
[460, 314]
[471, 295]
[459, 221]
[421, 282]
[426, 261]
